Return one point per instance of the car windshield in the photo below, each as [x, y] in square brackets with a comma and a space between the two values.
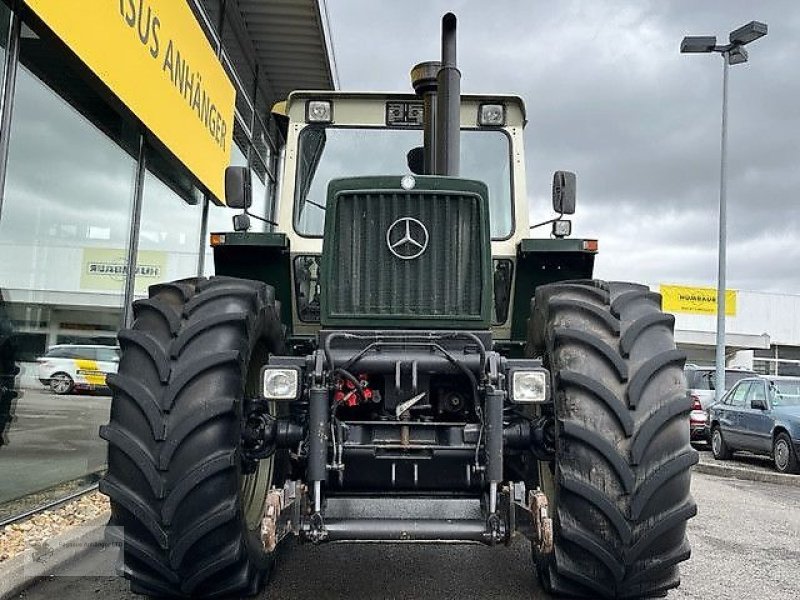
[705, 380]
[785, 392]
[334, 152]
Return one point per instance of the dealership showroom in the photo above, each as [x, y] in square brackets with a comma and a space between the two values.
[85, 187]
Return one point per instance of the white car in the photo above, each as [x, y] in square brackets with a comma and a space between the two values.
[70, 367]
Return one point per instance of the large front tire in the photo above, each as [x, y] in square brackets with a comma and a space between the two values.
[621, 474]
[186, 514]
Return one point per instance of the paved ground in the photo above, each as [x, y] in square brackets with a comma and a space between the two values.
[746, 543]
[52, 439]
[740, 459]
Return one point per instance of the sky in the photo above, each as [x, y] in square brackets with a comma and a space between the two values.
[609, 96]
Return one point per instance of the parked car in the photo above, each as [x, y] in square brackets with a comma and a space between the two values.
[760, 415]
[71, 367]
[701, 386]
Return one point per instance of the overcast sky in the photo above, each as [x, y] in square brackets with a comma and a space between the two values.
[610, 97]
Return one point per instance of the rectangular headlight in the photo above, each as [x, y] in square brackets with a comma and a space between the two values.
[492, 115]
[530, 387]
[281, 383]
[319, 111]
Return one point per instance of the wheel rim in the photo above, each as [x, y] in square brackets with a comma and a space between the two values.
[716, 442]
[59, 384]
[781, 454]
[255, 486]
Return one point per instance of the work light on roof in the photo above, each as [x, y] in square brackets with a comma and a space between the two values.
[492, 115]
[319, 111]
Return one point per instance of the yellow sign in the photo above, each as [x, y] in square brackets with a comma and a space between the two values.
[154, 57]
[106, 269]
[696, 300]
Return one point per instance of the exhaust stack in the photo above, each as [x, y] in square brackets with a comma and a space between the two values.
[439, 86]
[448, 105]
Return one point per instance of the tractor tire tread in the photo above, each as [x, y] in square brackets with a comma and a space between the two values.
[623, 459]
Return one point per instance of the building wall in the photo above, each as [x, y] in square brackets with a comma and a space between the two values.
[71, 183]
[777, 315]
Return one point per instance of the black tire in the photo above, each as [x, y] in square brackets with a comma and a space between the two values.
[719, 447]
[189, 518]
[619, 484]
[64, 384]
[784, 454]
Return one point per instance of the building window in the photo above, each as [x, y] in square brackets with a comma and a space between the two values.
[169, 236]
[63, 241]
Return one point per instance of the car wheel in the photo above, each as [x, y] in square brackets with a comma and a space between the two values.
[61, 383]
[784, 455]
[719, 448]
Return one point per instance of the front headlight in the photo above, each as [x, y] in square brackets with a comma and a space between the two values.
[529, 387]
[281, 383]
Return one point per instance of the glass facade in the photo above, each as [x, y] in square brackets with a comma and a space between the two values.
[71, 202]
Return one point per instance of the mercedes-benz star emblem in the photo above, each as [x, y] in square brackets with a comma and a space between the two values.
[407, 238]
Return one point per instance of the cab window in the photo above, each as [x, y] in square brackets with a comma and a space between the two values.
[328, 153]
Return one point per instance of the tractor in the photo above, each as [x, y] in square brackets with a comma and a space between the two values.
[395, 360]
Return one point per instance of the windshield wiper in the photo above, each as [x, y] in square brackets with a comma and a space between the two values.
[317, 204]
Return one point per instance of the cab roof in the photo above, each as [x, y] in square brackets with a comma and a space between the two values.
[283, 109]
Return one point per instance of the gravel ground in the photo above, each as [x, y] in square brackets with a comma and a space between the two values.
[16, 537]
[746, 542]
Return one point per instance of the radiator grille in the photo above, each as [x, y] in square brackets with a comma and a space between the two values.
[367, 280]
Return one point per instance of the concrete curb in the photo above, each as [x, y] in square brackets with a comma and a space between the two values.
[23, 570]
[722, 469]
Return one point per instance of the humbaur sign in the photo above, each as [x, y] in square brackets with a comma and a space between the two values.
[155, 58]
[106, 269]
[696, 300]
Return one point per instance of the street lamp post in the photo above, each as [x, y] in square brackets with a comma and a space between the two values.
[732, 53]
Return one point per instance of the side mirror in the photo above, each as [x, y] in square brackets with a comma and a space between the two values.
[238, 189]
[758, 403]
[564, 192]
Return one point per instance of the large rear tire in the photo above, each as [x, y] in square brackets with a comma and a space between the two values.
[186, 514]
[621, 474]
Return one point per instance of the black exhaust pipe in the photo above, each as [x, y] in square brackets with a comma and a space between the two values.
[448, 105]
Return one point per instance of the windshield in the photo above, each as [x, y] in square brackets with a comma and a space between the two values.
[784, 393]
[331, 153]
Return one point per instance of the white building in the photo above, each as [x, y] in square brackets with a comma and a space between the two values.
[762, 329]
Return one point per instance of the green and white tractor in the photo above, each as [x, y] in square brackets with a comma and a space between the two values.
[395, 360]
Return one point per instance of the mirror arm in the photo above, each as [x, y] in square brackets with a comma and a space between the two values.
[558, 218]
[268, 221]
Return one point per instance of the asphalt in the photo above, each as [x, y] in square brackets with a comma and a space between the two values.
[52, 439]
[745, 539]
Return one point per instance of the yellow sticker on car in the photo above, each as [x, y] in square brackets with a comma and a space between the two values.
[89, 370]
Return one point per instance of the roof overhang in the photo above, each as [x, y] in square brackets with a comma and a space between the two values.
[291, 44]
